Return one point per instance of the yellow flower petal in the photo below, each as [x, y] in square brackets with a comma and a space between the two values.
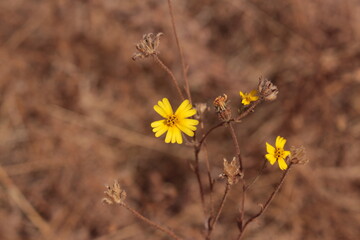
[286, 153]
[270, 149]
[161, 131]
[245, 102]
[270, 158]
[280, 142]
[253, 93]
[184, 105]
[177, 138]
[160, 111]
[254, 98]
[242, 95]
[282, 164]
[157, 123]
[165, 104]
[187, 113]
[186, 130]
[169, 135]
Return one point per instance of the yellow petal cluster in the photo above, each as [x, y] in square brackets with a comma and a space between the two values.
[277, 153]
[247, 98]
[174, 123]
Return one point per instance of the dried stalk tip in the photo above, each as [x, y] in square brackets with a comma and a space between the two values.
[267, 90]
[114, 194]
[298, 155]
[148, 46]
[221, 107]
[231, 171]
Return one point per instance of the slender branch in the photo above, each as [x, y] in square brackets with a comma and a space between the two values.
[211, 183]
[213, 223]
[236, 145]
[257, 177]
[267, 203]
[242, 206]
[207, 133]
[247, 111]
[164, 67]
[180, 51]
[151, 223]
[196, 169]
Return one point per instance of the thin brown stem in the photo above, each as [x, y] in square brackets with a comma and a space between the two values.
[236, 145]
[213, 223]
[151, 223]
[211, 183]
[207, 133]
[196, 170]
[187, 88]
[175, 82]
[242, 206]
[267, 203]
[257, 177]
[247, 111]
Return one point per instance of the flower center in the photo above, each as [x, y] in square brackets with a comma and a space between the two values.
[172, 120]
[279, 153]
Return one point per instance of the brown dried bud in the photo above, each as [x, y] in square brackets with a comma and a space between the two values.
[148, 46]
[298, 155]
[267, 90]
[222, 109]
[114, 194]
[231, 171]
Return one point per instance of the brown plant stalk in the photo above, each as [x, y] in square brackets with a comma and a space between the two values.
[266, 205]
[213, 223]
[187, 87]
[166, 69]
[151, 223]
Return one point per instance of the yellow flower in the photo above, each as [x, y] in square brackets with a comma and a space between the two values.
[277, 153]
[247, 98]
[174, 123]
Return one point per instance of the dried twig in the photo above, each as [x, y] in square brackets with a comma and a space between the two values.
[266, 205]
[180, 51]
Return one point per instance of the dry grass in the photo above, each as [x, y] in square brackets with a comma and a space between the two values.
[75, 114]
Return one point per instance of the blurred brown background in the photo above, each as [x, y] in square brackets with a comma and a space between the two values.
[75, 114]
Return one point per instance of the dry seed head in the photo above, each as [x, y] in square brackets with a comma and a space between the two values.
[147, 46]
[298, 155]
[221, 107]
[267, 90]
[114, 194]
[231, 171]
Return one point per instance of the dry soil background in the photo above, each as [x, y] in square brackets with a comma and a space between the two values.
[75, 113]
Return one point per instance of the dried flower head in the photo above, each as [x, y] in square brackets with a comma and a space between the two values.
[267, 90]
[247, 98]
[231, 171]
[114, 194]
[148, 46]
[298, 155]
[221, 107]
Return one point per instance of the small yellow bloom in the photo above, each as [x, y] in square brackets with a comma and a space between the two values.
[174, 123]
[277, 153]
[247, 98]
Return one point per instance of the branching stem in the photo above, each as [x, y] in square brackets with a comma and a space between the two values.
[175, 82]
[267, 203]
[213, 223]
[187, 88]
[151, 223]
